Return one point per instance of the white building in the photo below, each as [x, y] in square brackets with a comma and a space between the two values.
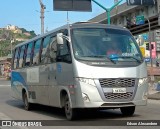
[11, 27]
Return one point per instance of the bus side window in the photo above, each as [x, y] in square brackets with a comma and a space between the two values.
[45, 45]
[51, 53]
[25, 55]
[16, 58]
[64, 54]
[21, 59]
[36, 52]
[28, 54]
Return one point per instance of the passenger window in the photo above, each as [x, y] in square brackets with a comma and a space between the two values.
[52, 50]
[36, 52]
[28, 54]
[21, 59]
[16, 58]
[64, 53]
[45, 45]
[63, 50]
[50, 55]
[25, 55]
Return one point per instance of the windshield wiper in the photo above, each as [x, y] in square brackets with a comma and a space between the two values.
[139, 61]
[96, 56]
[113, 61]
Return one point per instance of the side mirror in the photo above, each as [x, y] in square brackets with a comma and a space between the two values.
[60, 38]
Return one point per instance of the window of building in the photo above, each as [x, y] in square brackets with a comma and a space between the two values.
[120, 20]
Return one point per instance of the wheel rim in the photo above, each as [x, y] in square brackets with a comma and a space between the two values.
[25, 101]
[68, 109]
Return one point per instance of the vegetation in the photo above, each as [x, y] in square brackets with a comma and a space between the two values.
[6, 36]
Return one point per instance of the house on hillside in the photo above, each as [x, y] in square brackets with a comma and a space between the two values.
[11, 27]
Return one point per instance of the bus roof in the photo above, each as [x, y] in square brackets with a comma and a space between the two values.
[75, 25]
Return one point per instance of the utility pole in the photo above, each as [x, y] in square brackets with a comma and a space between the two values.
[149, 40]
[43, 7]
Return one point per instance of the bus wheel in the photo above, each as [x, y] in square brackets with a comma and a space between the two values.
[69, 111]
[127, 111]
[27, 105]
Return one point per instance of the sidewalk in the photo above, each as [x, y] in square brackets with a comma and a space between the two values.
[2, 78]
[152, 93]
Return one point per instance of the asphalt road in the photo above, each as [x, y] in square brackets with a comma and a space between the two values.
[11, 109]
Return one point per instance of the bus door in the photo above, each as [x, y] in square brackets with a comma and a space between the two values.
[64, 67]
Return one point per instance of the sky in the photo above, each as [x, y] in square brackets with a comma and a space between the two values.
[26, 14]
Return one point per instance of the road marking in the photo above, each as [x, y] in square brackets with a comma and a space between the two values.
[5, 85]
[4, 118]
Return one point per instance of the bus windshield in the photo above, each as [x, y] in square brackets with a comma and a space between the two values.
[105, 44]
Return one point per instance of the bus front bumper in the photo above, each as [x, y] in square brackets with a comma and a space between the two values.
[91, 98]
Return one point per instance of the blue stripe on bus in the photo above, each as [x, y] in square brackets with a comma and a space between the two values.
[17, 77]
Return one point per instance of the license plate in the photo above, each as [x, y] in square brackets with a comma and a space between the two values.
[119, 90]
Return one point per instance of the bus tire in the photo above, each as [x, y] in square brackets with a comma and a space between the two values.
[27, 105]
[69, 111]
[127, 111]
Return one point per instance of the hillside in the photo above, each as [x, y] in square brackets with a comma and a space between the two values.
[15, 35]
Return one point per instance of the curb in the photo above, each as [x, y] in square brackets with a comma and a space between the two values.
[3, 79]
[155, 96]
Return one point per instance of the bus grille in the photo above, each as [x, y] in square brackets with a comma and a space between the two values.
[117, 82]
[119, 96]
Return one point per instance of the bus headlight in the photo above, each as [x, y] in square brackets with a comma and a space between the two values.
[87, 81]
[142, 80]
